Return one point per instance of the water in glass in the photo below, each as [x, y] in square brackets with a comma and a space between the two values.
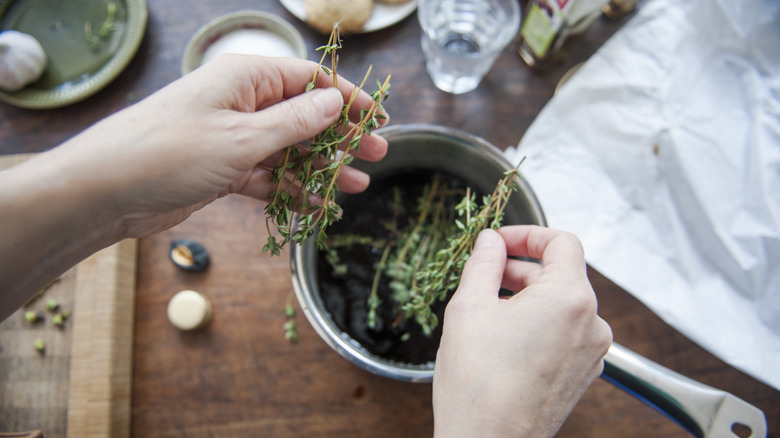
[462, 38]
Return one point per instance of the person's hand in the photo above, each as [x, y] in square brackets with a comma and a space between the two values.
[218, 130]
[213, 132]
[516, 367]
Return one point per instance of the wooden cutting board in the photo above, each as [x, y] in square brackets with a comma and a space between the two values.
[81, 385]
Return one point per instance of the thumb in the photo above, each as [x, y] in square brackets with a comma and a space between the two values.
[484, 270]
[299, 118]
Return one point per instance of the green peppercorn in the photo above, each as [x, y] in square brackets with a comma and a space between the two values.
[52, 305]
[31, 316]
[39, 345]
[290, 331]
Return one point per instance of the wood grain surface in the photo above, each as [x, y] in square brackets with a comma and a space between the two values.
[101, 355]
[33, 387]
[240, 377]
[80, 386]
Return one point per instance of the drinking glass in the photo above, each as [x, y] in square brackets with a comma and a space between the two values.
[462, 38]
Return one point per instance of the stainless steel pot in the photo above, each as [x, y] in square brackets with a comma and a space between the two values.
[702, 410]
[412, 146]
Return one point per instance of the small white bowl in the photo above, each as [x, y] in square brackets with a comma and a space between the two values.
[245, 32]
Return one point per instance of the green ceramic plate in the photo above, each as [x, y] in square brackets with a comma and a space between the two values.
[87, 43]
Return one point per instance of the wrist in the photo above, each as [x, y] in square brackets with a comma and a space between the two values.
[491, 409]
[51, 221]
[99, 171]
[81, 198]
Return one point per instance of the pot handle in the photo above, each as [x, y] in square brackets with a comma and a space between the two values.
[704, 411]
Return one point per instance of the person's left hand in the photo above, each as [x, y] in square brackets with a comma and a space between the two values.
[216, 131]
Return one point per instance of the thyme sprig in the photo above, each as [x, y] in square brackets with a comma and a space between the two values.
[308, 177]
[106, 29]
[441, 275]
[424, 260]
[290, 327]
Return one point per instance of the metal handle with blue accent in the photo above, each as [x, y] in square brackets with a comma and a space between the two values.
[704, 411]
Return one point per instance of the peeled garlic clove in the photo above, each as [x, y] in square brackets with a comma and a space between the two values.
[188, 310]
[22, 60]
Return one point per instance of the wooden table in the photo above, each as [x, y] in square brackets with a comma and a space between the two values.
[241, 377]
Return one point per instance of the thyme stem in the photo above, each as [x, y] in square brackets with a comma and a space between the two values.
[306, 178]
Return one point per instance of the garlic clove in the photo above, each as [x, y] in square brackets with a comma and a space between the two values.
[22, 60]
[189, 310]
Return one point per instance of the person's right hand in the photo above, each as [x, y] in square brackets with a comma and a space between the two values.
[516, 367]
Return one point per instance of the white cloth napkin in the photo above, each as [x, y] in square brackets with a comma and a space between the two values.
[662, 153]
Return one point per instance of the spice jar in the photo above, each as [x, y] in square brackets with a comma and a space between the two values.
[616, 9]
[548, 23]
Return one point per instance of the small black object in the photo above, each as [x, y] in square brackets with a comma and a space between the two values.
[189, 255]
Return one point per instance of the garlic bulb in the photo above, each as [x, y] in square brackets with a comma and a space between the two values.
[22, 60]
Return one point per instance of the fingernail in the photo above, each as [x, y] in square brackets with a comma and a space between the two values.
[328, 100]
[486, 238]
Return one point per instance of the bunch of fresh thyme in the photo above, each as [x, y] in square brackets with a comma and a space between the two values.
[320, 180]
[416, 245]
[424, 261]
[441, 274]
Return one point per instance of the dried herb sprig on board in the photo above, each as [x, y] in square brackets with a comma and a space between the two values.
[316, 168]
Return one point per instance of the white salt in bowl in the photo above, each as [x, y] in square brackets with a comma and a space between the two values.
[243, 32]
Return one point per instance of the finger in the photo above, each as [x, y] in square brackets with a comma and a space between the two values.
[349, 180]
[483, 272]
[277, 157]
[297, 74]
[359, 98]
[365, 101]
[294, 120]
[549, 245]
[519, 274]
[352, 181]
[278, 79]
[289, 82]
[273, 80]
[260, 186]
[370, 148]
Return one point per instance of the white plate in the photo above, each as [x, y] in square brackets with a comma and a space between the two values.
[382, 17]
